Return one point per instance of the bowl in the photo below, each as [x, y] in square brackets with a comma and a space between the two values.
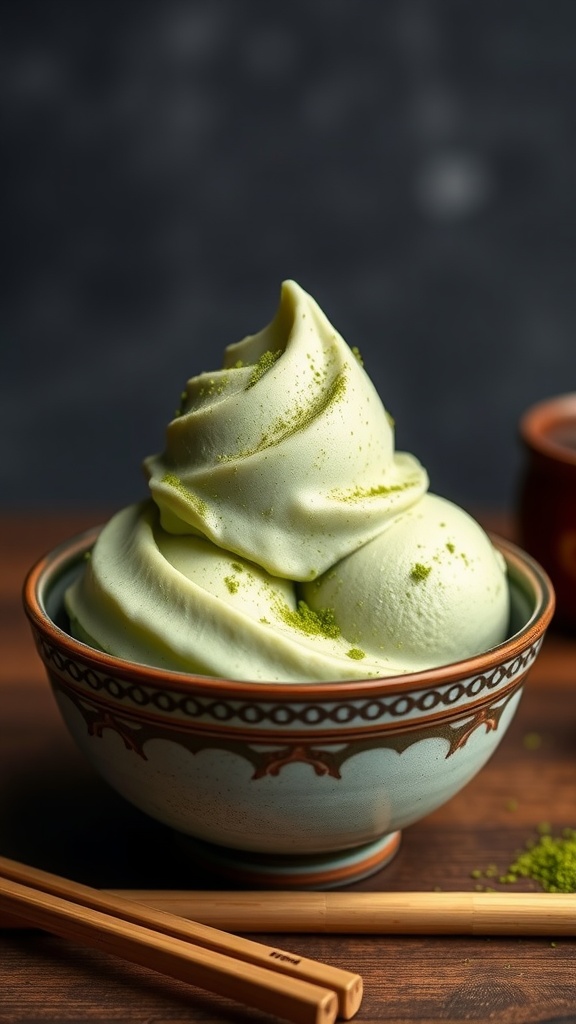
[547, 496]
[304, 785]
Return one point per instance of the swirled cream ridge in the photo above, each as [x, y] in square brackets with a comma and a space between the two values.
[286, 455]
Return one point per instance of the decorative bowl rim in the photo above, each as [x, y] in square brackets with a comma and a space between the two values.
[52, 565]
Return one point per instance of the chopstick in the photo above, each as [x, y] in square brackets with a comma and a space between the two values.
[377, 913]
[267, 978]
[355, 912]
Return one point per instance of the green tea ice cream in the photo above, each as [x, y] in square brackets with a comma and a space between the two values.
[285, 539]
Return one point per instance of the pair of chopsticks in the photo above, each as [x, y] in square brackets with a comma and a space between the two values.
[154, 928]
[273, 980]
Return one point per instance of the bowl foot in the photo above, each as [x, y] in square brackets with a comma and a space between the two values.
[274, 871]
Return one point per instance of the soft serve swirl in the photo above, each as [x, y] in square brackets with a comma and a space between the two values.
[286, 456]
[279, 481]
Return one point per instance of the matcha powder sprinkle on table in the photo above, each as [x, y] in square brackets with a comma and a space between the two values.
[549, 860]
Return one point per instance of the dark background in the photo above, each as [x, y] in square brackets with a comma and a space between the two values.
[166, 163]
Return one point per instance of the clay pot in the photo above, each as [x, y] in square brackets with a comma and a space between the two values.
[547, 496]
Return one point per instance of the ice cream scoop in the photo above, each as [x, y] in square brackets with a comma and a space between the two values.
[427, 588]
[285, 539]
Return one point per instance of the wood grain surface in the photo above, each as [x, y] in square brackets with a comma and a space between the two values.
[56, 814]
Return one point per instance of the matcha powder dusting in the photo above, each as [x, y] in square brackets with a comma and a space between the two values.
[312, 623]
[550, 860]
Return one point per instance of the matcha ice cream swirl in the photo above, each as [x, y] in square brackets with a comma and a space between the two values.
[286, 455]
[285, 539]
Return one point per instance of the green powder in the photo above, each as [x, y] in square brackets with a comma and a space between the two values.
[356, 654]
[265, 362]
[232, 584]
[298, 417]
[183, 398]
[303, 618]
[360, 493]
[173, 481]
[356, 353]
[419, 572]
[549, 860]
[213, 386]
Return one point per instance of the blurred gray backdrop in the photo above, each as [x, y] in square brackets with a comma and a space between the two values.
[167, 163]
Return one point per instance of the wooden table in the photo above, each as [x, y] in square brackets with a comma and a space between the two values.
[56, 814]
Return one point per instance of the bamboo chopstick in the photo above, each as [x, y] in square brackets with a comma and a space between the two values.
[383, 913]
[376, 913]
[290, 986]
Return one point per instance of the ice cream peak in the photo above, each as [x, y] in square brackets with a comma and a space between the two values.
[286, 455]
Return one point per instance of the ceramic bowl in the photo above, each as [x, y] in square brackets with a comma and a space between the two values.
[291, 785]
[547, 496]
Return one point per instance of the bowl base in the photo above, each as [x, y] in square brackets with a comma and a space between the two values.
[275, 871]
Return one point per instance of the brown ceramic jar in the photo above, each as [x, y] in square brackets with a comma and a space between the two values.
[547, 496]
